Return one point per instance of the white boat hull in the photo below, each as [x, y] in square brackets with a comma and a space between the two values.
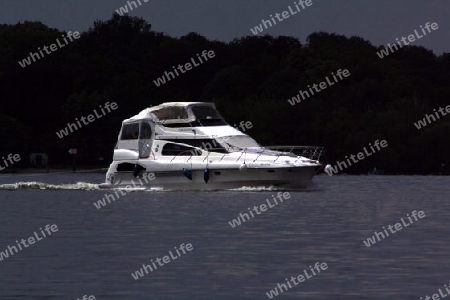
[288, 178]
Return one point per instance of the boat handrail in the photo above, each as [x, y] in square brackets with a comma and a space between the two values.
[195, 149]
[310, 152]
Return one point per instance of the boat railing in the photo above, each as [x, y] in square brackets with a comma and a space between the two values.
[197, 151]
[188, 153]
[311, 152]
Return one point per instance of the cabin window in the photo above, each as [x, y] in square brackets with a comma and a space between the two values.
[130, 131]
[129, 167]
[210, 145]
[146, 131]
[179, 150]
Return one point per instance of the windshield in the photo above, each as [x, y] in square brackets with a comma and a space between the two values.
[208, 116]
[171, 113]
[238, 143]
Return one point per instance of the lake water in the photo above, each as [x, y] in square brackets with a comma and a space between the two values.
[95, 251]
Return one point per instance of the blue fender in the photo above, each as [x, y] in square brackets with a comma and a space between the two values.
[187, 173]
[136, 170]
[206, 175]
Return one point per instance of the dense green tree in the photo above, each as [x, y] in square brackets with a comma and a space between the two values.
[13, 136]
[249, 79]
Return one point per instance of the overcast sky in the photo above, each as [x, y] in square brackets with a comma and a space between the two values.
[379, 21]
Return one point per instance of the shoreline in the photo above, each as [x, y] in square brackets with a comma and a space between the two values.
[53, 170]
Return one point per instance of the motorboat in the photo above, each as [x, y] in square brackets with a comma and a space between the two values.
[189, 146]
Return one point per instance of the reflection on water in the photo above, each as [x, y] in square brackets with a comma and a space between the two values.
[95, 251]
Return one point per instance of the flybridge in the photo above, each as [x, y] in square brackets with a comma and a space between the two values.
[183, 114]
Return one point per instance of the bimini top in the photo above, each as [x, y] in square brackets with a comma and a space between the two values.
[183, 113]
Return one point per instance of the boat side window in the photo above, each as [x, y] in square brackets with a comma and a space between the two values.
[179, 150]
[146, 131]
[205, 144]
[130, 131]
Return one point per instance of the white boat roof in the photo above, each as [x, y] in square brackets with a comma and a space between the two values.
[183, 104]
[149, 112]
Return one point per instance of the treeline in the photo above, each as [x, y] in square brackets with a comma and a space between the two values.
[249, 79]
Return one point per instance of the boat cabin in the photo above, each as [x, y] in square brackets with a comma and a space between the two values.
[180, 129]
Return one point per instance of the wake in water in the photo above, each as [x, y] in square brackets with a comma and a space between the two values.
[255, 189]
[33, 185]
